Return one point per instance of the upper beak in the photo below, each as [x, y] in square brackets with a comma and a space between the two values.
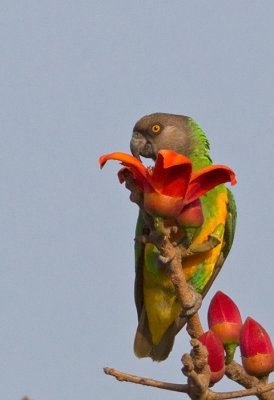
[137, 143]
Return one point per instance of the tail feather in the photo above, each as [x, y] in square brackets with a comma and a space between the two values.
[143, 345]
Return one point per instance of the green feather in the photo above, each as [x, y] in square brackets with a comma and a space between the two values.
[200, 156]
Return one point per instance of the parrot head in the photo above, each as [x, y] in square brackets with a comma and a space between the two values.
[158, 131]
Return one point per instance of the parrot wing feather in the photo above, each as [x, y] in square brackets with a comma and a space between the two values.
[143, 346]
[229, 233]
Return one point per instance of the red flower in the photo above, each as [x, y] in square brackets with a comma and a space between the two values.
[171, 189]
[256, 349]
[225, 320]
[216, 357]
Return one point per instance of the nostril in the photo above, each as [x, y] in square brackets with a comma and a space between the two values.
[137, 135]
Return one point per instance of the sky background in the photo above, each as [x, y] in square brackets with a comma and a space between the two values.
[75, 76]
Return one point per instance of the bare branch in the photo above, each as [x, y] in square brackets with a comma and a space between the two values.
[236, 372]
[123, 377]
[175, 387]
[262, 392]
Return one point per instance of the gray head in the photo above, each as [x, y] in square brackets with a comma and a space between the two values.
[159, 131]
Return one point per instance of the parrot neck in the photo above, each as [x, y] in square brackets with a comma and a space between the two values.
[199, 156]
[200, 161]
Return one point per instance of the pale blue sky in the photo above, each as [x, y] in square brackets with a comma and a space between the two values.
[74, 77]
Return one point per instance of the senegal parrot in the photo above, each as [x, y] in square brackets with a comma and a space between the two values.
[159, 312]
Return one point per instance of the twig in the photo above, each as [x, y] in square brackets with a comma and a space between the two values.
[123, 377]
[197, 370]
[236, 373]
[176, 387]
[258, 391]
[183, 293]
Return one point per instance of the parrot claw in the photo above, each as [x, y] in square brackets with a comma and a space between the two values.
[194, 306]
[165, 260]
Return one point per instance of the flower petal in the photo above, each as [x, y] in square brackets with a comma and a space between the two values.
[135, 166]
[158, 204]
[171, 174]
[207, 178]
[126, 159]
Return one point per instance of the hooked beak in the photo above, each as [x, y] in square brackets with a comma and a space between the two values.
[137, 144]
[140, 146]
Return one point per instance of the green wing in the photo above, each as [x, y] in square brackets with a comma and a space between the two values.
[230, 227]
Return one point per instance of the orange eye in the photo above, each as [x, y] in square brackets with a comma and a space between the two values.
[156, 128]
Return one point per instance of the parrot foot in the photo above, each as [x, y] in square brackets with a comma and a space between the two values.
[191, 308]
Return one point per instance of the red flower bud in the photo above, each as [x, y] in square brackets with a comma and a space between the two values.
[216, 358]
[256, 349]
[224, 318]
[191, 215]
